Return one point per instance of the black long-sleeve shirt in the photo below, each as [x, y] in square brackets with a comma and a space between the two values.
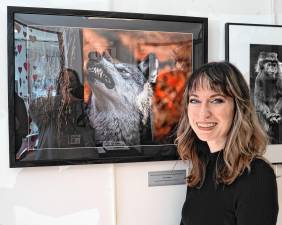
[250, 200]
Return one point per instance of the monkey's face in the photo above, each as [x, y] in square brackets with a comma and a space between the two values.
[271, 69]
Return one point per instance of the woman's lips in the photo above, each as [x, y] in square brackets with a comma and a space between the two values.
[206, 125]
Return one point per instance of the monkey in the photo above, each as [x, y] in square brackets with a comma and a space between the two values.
[268, 91]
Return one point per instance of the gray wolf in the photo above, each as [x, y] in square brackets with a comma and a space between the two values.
[120, 103]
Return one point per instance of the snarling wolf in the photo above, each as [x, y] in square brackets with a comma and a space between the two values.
[120, 103]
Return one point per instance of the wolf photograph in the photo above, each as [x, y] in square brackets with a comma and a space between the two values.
[109, 91]
[133, 84]
[89, 87]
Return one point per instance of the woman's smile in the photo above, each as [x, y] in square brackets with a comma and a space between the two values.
[210, 114]
[206, 125]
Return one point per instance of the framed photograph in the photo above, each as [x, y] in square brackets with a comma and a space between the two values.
[256, 49]
[97, 87]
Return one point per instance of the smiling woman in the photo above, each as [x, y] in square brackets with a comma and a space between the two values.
[211, 115]
[230, 182]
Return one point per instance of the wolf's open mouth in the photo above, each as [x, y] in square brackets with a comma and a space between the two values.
[99, 74]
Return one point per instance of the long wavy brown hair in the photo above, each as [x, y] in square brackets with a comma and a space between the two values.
[69, 87]
[246, 138]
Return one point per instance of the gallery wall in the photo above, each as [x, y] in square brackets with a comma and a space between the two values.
[110, 194]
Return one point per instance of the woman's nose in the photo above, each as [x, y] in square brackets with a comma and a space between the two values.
[205, 111]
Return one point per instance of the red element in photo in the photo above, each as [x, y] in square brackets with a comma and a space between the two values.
[19, 47]
[34, 77]
[26, 66]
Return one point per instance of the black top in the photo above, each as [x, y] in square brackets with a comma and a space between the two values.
[250, 200]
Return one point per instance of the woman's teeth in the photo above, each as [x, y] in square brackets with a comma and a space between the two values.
[206, 125]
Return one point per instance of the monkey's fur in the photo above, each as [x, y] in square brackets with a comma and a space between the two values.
[268, 90]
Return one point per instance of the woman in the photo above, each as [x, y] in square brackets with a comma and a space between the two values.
[230, 182]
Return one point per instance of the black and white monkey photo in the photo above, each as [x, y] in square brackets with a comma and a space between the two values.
[266, 83]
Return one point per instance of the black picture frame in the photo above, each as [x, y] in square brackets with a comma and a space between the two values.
[53, 78]
[245, 44]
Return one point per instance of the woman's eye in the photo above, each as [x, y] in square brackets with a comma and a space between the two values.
[193, 101]
[217, 101]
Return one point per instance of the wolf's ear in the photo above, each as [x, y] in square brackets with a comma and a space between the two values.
[149, 67]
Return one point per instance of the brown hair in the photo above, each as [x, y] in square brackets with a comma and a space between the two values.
[65, 82]
[246, 138]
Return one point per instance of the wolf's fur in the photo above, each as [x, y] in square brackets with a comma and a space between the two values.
[121, 98]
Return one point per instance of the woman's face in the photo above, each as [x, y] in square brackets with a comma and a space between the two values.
[70, 80]
[210, 114]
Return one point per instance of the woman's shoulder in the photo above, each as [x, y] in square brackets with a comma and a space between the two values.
[261, 166]
[255, 195]
[260, 173]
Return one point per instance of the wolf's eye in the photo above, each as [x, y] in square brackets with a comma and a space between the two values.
[122, 70]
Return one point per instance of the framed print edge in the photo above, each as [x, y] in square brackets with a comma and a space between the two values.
[11, 85]
[243, 52]
[38, 90]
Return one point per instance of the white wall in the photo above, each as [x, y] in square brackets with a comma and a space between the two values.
[110, 194]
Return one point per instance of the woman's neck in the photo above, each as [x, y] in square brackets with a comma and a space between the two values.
[216, 146]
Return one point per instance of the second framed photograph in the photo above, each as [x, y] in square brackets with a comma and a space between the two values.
[256, 49]
[97, 87]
